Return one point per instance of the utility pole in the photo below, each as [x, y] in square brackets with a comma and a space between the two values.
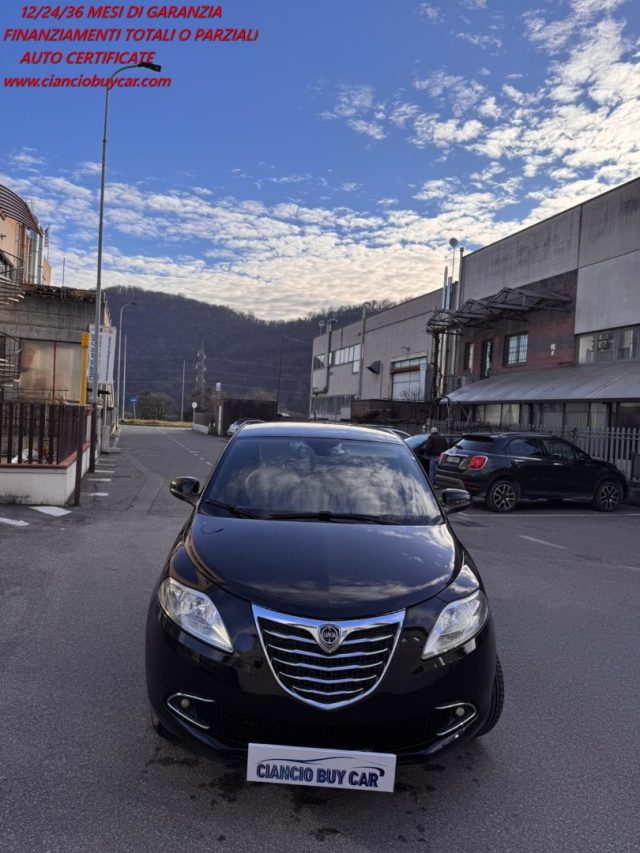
[201, 370]
[184, 367]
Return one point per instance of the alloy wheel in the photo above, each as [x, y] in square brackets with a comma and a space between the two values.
[504, 497]
[609, 496]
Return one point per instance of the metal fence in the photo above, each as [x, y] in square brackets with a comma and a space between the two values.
[40, 433]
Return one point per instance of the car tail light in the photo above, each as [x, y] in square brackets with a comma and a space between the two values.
[477, 462]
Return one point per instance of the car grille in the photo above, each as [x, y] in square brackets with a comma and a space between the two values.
[328, 677]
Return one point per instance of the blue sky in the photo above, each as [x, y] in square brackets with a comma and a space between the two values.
[331, 160]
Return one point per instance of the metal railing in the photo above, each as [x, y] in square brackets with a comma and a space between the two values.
[40, 433]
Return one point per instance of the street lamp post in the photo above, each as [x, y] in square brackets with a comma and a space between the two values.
[98, 318]
[282, 337]
[124, 307]
[124, 380]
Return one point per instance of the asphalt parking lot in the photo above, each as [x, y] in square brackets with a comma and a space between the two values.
[81, 769]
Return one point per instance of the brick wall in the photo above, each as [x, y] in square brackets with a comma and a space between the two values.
[544, 328]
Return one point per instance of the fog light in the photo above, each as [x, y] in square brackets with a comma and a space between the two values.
[194, 709]
[454, 716]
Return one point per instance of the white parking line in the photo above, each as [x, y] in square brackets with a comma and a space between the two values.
[55, 511]
[100, 479]
[552, 514]
[100, 494]
[542, 542]
[14, 522]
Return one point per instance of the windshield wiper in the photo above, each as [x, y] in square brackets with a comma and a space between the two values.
[325, 515]
[241, 513]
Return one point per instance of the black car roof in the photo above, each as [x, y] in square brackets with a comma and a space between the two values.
[504, 435]
[304, 429]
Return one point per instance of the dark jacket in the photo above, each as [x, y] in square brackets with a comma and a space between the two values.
[435, 445]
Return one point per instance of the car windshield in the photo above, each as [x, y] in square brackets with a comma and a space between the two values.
[476, 444]
[321, 479]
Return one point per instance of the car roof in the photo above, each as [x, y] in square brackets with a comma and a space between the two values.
[305, 429]
[492, 435]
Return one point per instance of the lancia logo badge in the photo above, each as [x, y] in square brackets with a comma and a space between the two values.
[329, 637]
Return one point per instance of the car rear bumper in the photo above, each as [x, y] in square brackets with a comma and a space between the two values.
[451, 481]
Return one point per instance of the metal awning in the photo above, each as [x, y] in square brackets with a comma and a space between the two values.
[618, 381]
[509, 303]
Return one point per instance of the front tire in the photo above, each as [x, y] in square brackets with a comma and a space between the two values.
[608, 496]
[159, 729]
[503, 496]
[497, 701]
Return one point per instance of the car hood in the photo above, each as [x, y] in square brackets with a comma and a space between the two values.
[324, 570]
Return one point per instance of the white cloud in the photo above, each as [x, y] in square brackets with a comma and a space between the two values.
[436, 189]
[451, 89]
[428, 129]
[489, 108]
[402, 113]
[431, 13]
[517, 96]
[479, 40]
[26, 159]
[353, 100]
[370, 128]
[588, 8]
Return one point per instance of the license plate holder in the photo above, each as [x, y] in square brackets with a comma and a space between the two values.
[321, 768]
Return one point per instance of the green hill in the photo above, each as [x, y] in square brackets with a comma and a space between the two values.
[243, 352]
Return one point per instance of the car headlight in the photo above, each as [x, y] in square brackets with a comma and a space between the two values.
[457, 623]
[195, 612]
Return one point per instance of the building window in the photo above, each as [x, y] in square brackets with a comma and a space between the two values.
[467, 363]
[319, 361]
[609, 345]
[408, 379]
[345, 355]
[515, 349]
[487, 358]
[50, 370]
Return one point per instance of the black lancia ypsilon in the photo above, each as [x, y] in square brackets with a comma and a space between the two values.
[317, 615]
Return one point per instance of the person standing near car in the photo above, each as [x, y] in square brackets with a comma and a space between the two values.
[434, 446]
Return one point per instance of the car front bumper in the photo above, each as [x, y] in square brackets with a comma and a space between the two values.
[220, 702]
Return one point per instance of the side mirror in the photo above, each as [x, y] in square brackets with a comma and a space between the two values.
[454, 500]
[185, 489]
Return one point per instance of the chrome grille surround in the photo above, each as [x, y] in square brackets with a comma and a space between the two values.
[324, 679]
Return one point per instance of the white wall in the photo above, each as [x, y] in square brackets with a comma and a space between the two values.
[609, 294]
[53, 486]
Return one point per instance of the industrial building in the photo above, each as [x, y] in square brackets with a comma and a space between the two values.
[542, 331]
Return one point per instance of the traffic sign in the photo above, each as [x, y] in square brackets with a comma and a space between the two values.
[133, 400]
